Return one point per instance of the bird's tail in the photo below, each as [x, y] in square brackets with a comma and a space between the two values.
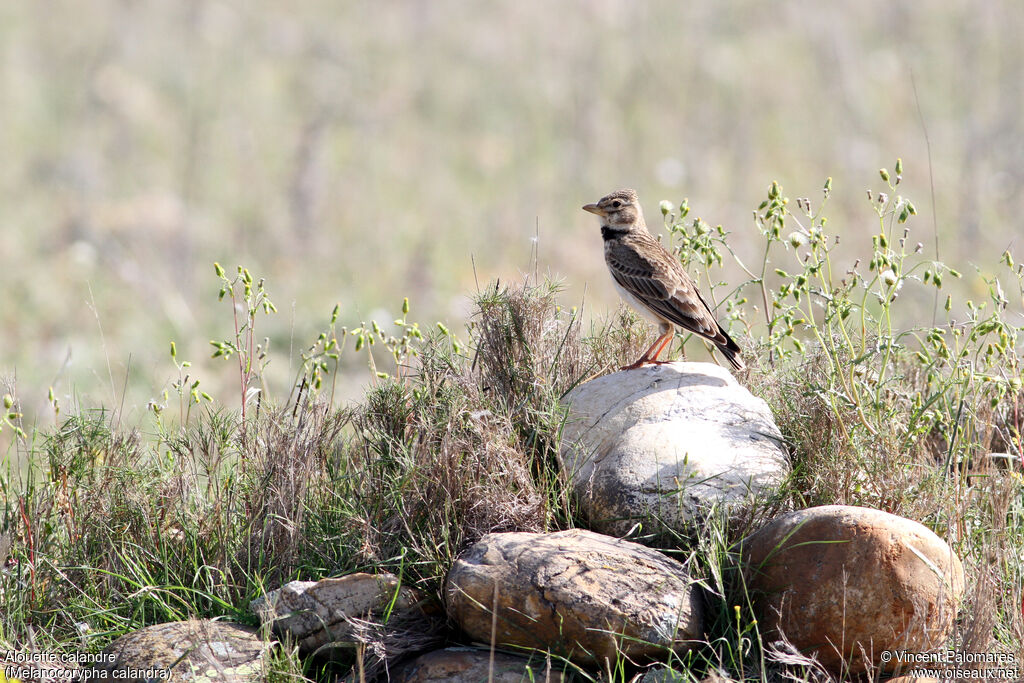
[731, 351]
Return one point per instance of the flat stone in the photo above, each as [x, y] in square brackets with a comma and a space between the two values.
[317, 613]
[196, 650]
[472, 665]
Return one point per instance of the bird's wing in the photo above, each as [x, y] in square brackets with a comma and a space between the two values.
[659, 282]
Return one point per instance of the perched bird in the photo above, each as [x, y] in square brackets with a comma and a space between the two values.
[652, 281]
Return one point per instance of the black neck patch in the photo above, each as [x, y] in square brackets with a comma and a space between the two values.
[610, 233]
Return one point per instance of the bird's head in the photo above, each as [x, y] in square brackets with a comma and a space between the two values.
[618, 210]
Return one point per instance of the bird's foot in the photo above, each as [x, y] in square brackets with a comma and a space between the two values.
[642, 362]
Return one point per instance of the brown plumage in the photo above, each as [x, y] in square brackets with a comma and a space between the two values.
[652, 281]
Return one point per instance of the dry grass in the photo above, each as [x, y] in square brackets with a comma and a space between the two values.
[111, 529]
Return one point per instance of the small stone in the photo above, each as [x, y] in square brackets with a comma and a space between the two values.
[196, 651]
[663, 674]
[315, 613]
[471, 665]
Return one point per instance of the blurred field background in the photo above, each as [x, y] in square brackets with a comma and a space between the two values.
[360, 152]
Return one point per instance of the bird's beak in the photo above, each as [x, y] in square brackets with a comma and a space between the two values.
[594, 208]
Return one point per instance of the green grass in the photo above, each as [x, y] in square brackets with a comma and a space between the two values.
[111, 526]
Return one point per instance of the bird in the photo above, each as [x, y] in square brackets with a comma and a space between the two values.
[653, 282]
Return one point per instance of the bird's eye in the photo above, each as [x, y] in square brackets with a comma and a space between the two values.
[617, 204]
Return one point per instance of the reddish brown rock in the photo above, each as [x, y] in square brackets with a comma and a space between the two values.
[575, 593]
[846, 583]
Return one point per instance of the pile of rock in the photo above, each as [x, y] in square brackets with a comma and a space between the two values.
[660, 445]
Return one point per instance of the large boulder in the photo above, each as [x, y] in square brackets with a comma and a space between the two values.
[846, 584]
[576, 594]
[666, 442]
[197, 650]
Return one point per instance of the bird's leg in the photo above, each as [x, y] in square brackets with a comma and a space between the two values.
[667, 337]
[651, 354]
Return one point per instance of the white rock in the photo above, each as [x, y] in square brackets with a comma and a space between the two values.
[668, 441]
